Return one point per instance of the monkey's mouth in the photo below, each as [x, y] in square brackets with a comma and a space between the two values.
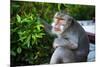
[57, 29]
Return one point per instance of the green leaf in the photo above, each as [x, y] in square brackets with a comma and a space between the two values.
[28, 45]
[19, 50]
[26, 20]
[13, 53]
[15, 6]
[59, 5]
[27, 41]
[38, 36]
[39, 27]
[42, 34]
[18, 18]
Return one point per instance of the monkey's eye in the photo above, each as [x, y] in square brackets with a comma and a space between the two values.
[62, 21]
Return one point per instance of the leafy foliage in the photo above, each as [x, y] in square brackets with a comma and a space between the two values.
[30, 44]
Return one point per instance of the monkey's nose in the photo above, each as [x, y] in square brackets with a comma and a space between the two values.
[57, 26]
[57, 29]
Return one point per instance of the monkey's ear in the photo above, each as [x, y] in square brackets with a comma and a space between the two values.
[71, 20]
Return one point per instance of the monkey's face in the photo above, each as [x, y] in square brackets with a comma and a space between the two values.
[58, 25]
[61, 22]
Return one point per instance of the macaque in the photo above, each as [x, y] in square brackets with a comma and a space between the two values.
[71, 44]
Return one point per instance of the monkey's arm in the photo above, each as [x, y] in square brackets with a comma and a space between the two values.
[61, 42]
[47, 26]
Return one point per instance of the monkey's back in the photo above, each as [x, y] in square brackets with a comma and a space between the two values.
[83, 39]
[83, 43]
[76, 33]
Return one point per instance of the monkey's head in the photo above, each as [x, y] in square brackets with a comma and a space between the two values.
[61, 22]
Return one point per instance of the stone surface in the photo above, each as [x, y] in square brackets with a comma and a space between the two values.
[91, 56]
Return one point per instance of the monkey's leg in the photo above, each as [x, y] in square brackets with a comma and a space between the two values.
[55, 59]
[81, 56]
[67, 56]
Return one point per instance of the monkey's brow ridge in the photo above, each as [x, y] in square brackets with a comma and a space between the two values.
[59, 18]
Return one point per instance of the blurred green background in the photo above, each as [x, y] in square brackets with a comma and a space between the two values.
[30, 44]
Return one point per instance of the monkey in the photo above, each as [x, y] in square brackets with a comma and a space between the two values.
[72, 43]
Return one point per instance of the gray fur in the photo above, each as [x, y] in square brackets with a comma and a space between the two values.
[73, 43]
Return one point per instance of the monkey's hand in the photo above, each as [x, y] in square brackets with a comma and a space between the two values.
[58, 42]
[73, 45]
[55, 45]
[47, 26]
[61, 42]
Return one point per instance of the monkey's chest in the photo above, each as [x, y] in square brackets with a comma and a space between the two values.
[71, 36]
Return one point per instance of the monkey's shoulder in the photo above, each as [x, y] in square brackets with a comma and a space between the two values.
[69, 34]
